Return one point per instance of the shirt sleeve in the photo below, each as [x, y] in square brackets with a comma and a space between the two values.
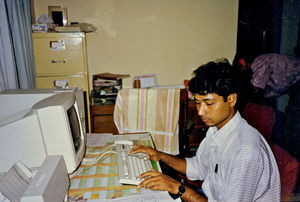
[243, 181]
[195, 170]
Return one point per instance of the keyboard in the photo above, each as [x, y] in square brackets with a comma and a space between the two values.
[130, 167]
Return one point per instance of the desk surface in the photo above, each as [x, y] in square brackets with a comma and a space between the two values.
[100, 181]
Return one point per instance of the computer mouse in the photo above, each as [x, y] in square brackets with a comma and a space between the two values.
[123, 141]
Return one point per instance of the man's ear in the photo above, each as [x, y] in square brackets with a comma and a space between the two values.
[231, 99]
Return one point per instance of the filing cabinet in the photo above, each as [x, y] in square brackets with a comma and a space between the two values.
[61, 62]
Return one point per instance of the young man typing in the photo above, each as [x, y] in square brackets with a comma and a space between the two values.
[234, 160]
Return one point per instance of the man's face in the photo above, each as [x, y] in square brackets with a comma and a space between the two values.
[213, 110]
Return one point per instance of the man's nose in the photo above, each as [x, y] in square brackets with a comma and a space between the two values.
[201, 110]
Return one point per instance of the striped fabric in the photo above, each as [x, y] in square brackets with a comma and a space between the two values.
[150, 110]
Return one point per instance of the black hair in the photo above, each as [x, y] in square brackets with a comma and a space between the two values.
[216, 77]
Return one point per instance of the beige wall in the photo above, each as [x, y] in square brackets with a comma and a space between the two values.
[167, 37]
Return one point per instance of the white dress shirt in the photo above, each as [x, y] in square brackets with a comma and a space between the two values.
[236, 164]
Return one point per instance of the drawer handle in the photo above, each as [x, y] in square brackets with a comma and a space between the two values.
[59, 61]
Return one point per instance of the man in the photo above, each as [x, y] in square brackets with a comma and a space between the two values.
[276, 75]
[234, 161]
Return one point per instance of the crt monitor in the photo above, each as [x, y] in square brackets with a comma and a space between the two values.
[51, 126]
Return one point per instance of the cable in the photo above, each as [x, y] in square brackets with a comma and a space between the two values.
[95, 153]
[96, 160]
[99, 158]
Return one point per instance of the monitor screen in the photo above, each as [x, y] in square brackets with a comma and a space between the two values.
[75, 127]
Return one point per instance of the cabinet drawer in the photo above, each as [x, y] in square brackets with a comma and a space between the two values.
[102, 109]
[79, 81]
[104, 124]
[59, 56]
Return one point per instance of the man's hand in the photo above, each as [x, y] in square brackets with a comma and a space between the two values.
[153, 154]
[158, 181]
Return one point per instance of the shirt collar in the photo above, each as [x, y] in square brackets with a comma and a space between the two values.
[219, 136]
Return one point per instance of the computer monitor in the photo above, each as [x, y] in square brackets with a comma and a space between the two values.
[51, 125]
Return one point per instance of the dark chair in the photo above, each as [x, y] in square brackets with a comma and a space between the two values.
[262, 118]
[186, 125]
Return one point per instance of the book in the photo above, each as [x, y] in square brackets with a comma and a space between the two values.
[111, 76]
[105, 82]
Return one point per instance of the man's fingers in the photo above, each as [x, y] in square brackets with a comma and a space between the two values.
[136, 149]
[149, 177]
[152, 173]
[152, 184]
[137, 146]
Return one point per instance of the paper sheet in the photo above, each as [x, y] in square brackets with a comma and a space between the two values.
[145, 195]
[147, 80]
[95, 139]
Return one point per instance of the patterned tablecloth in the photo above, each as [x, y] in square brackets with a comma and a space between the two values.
[100, 181]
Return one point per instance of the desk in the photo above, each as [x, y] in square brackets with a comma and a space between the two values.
[100, 182]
